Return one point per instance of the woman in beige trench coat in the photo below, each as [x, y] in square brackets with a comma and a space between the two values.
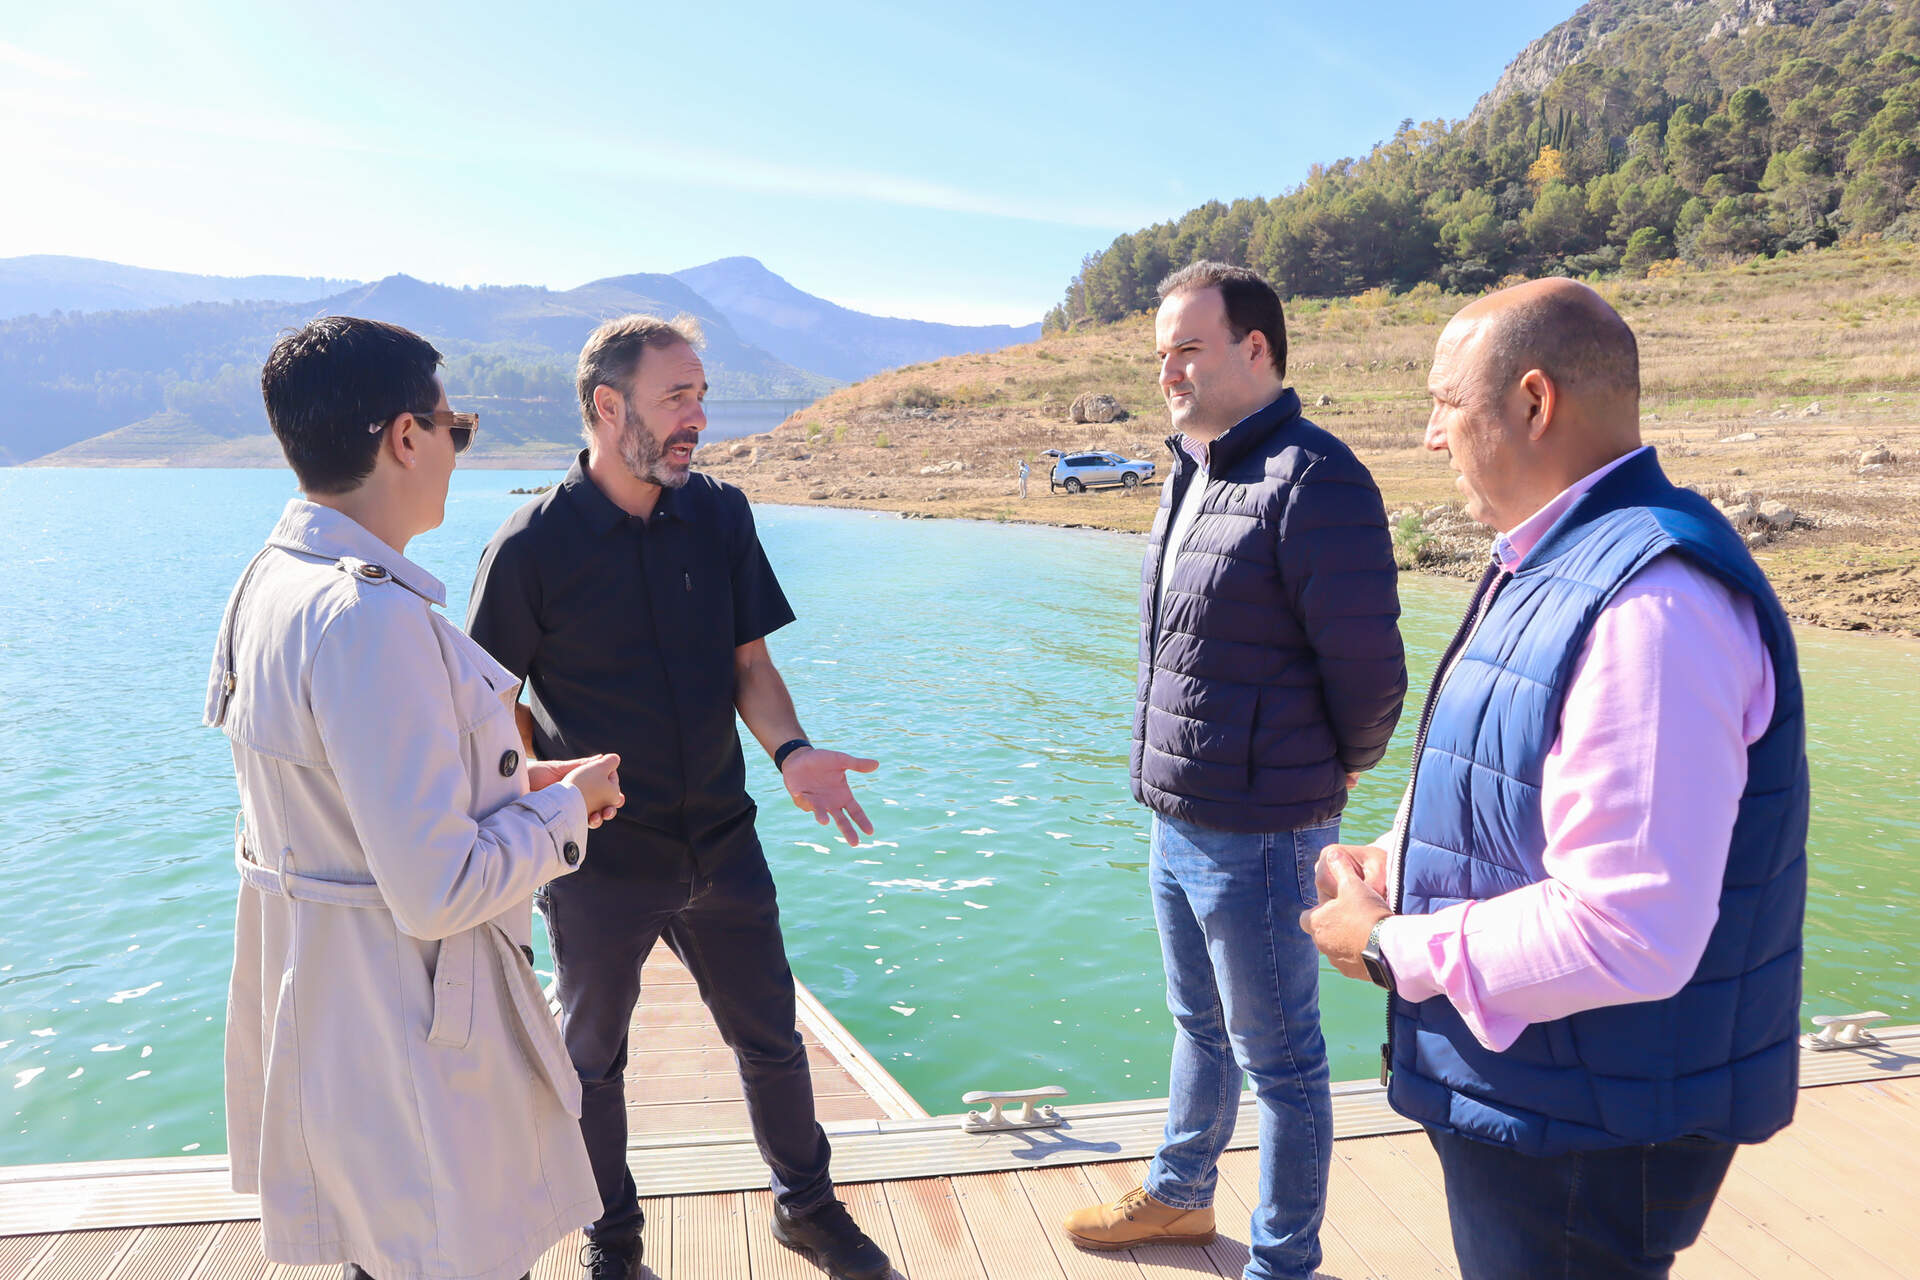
[397, 1093]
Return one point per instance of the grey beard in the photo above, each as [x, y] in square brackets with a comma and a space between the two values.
[644, 455]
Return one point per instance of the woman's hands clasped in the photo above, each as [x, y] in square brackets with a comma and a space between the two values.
[597, 778]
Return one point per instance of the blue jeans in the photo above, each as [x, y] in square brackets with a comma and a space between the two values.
[1590, 1215]
[1243, 985]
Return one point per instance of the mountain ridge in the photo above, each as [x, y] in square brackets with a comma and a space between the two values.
[36, 284]
[513, 346]
[1586, 33]
[182, 385]
[835, 340]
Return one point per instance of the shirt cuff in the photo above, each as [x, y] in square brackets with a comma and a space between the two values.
[1406, 943]
[1428, 956]
[562, 810]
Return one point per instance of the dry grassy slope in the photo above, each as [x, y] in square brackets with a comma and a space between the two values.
[1818, 355]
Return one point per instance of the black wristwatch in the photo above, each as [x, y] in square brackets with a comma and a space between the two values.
[1377, 967]
[786, 749]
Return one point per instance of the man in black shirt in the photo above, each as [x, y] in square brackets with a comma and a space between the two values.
[634, 600]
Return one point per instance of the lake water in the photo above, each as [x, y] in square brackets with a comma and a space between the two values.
[996, 933]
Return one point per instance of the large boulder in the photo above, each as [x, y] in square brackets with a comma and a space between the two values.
[1777, 516]
[1091, 407]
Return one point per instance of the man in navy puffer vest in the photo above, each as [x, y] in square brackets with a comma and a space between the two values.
[1598, 875]
[1271, 675]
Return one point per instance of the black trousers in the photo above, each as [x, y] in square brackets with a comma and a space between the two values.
[725, 927]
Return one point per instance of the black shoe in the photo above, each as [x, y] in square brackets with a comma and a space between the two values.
[612, 1259]
[835, 1241]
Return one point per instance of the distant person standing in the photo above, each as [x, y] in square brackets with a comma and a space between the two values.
[634, 601]
[1023, 477]
[1271, 675]
[396, 1093]
[1588, 914]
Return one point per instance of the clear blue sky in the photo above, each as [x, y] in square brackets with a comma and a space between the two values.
[949, 162]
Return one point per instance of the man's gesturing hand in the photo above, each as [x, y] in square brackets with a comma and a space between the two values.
[1349, 908]
[817, 780]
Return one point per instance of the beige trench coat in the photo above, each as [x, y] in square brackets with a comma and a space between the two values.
[397, 1093]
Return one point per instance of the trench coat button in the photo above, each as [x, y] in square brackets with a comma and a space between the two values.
[571, 852]
[373, 572]
[509, 761]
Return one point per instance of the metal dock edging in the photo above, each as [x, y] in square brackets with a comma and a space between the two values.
[128, 1193]
[885, 1150]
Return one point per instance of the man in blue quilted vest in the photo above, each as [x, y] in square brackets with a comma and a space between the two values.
[1588, 913]
[1271, 675]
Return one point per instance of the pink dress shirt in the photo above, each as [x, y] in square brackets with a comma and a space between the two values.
[1638, 796]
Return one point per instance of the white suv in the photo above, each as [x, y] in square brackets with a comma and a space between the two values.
[1078, 472]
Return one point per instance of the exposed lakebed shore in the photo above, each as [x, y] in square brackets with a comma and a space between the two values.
[1792, 382]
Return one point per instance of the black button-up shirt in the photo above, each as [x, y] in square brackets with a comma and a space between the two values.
[624, 630]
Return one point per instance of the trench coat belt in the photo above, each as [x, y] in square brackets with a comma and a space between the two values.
[453, 972]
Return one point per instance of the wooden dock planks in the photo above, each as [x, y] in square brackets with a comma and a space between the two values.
[1830, 1196]
[682, 1079]
[1007, 1234]
[1809, 1203]
[934, 1241]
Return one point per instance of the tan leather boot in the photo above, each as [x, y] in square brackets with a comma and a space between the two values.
[1136, 1218]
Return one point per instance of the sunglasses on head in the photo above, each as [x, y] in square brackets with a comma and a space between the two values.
[460, 426]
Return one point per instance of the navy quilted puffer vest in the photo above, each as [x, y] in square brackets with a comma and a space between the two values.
[1276, 668]
[1720, 1058]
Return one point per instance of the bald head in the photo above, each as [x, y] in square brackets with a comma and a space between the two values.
[1560, 327]
[1534, 387]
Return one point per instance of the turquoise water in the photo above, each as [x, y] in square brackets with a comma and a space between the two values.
[996, 933]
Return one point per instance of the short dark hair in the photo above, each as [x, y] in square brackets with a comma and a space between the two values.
[326, 383]
[1251, 302]
[613, 351]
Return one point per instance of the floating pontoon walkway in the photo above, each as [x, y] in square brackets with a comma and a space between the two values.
[1834, 1195]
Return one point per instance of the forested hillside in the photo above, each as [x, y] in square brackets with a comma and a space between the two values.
[1635, 132]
